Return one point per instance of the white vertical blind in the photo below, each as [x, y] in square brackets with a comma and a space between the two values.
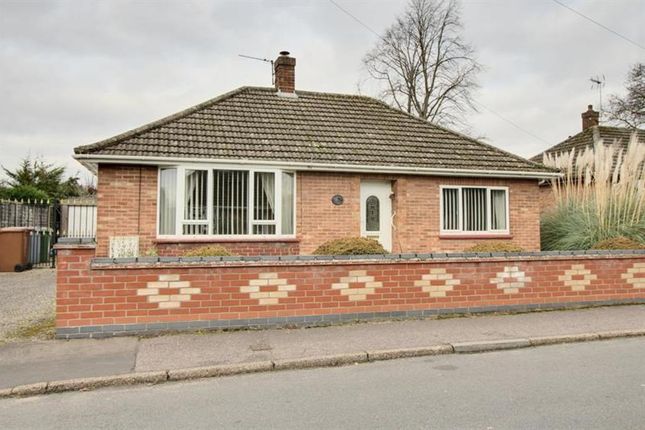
[451, 209]
[474, 208]
[230, 202]
[167, 201]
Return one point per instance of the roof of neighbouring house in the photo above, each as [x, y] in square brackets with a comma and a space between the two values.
[586, 138]
[253, 123]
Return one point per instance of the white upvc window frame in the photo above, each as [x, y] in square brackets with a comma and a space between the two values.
[460, 219]
[209, 168]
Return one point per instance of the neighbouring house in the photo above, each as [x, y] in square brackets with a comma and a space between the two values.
[591, 135]
[278, 171]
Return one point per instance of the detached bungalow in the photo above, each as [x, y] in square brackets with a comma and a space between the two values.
[279, 171]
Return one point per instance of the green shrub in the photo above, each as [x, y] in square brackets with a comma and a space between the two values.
[494, 247]
[600, 197]
[350, 246]
[620, 242]
[24, 193]
[208, 251]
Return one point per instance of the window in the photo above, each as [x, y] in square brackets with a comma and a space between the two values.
[372, 218]
[222, 202]
[474, 209]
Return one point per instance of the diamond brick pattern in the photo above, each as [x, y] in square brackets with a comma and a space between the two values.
[357, 285]
[578, 277]
[511, 280]
[635, 275]
[169, 292]
[437, 282]
[268, 289]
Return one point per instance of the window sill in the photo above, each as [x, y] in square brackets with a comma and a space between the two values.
[466, 236]
[215, 239]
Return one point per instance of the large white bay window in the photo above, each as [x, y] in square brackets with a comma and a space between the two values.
[225, 202]
[474, 210]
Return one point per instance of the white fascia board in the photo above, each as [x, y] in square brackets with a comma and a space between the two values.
[304, 166]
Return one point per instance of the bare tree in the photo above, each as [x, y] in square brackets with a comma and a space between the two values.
[425, 66]
[630, 109]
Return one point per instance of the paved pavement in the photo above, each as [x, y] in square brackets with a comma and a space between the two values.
[594, 385]
[25, 297]
[30, 362]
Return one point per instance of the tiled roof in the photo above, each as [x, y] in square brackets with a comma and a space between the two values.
[586, 138]
[257, 124]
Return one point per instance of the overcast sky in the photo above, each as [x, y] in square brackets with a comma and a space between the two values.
[74, 72]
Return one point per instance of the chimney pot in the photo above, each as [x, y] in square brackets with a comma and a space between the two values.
[285, 73]
[590, 118]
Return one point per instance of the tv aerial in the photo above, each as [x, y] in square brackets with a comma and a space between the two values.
[598, 82]
[264, 60]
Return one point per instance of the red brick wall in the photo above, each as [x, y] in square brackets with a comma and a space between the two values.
[416, 205]
[317, 218]
[146, 294]
[126, 202]
[547, 198]
[127, 206]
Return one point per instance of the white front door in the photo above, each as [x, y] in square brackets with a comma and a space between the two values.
[376, 212]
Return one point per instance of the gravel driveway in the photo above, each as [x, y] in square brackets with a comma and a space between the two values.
[25, 297]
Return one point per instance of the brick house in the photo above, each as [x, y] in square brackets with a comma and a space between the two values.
[591, 134]
[279, 171]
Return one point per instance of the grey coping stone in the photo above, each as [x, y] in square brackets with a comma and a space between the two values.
[135, 327]
[75, 240]
[361, 257]
[127, 260]
[340, 257]
[226, 258]
[191, 259]
[475, 254]
[103, 260]
[324, 257]
[289, 257]
[150, 259]
[269, 258]
[250, 258]
[168, 259]
[306, 257]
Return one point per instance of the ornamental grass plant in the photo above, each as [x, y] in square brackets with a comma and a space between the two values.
[601, 196]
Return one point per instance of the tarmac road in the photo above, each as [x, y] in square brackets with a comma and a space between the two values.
[585, 385]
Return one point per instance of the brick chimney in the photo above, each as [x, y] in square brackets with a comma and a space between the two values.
[590, 118]
[285, 73]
